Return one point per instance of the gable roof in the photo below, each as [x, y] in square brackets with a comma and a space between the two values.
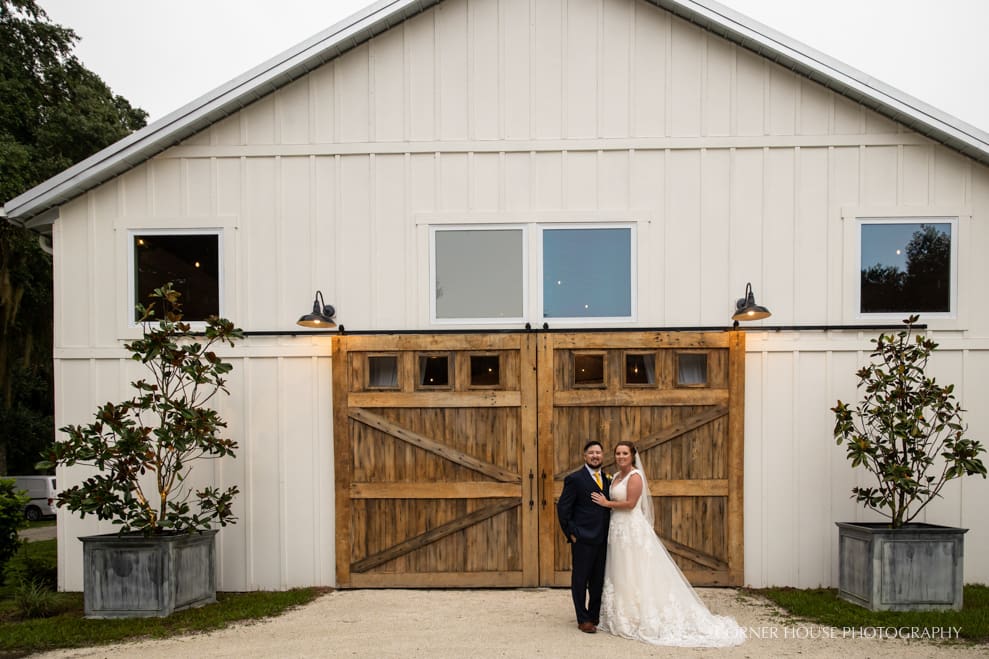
[37, 208]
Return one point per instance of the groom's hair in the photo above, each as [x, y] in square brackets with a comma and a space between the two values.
[591, 443]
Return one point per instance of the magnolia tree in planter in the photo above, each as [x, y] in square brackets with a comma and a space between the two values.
[907, 430]
[144, 449]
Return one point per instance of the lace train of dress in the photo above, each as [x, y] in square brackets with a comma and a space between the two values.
[646, 597]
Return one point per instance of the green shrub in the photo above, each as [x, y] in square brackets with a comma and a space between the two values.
[11, 520]
[29, 565]
[34, 599]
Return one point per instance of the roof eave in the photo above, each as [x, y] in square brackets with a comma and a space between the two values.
[209, 108]
[29, 208]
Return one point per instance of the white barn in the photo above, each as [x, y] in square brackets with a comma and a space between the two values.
[432, 167]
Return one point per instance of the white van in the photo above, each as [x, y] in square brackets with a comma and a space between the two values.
[41, 489]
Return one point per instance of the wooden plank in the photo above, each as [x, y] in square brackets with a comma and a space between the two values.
[694, 555]
[643, 444]
[736, 458]
[487, 579]
[473, 398]
[548, 526]
[718, 578]
[424, 539]
[529, 461]
[640, 397]
[429, 342]
[638, 340]
[466, 490]
[341, 458]
[434, 447]
[675, 488]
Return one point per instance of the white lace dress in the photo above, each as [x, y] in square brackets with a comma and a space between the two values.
[646, 597]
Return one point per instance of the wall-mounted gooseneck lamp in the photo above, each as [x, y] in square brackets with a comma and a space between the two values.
[321, 316]
[747, 309]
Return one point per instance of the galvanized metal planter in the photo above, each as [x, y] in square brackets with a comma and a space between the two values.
[918, 567]
[134, 576]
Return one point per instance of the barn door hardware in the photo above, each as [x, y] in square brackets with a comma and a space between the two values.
[531, 485]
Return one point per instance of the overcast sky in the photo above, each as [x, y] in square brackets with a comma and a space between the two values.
[162, 54]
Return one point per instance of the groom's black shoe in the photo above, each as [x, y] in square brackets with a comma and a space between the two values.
[587, 627]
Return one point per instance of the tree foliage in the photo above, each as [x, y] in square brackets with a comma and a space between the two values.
[907, 429]
[54, 112]
[144, 447]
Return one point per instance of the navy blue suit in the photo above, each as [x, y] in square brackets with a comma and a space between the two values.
[583, 519]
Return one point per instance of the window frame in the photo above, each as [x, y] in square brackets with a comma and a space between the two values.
[955, 266]
[133, 232]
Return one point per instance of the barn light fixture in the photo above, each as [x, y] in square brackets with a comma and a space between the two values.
[747, 309]
[321, 316]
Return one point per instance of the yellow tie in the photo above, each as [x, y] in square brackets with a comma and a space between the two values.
[597, 479]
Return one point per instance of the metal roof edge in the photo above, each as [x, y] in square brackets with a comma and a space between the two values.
[384, 14]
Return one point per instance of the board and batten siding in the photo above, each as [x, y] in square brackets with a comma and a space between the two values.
[732, 168]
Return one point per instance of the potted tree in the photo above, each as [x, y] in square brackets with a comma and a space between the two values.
[907, 430]
[162, 559]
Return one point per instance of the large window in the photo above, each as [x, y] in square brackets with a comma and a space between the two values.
[907, 265]
[587, 272]
[584, 272]
[478, 274]
[190, 260]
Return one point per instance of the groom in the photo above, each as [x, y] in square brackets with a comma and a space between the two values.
[586, 526]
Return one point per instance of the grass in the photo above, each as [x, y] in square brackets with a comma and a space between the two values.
[822, 606]
[68, 629]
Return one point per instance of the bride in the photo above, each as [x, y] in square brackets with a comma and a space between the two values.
[646, 597]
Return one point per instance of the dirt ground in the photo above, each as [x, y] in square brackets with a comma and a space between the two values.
[442, 624]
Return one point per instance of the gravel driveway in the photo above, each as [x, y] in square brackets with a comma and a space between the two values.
[439, 624]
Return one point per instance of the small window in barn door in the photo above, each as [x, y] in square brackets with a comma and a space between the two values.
[485, 371]
[588, 370]
[434, 371]
[692, 369]
[382, 372]
[640, 369]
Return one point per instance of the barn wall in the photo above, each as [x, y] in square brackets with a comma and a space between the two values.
[532, 111]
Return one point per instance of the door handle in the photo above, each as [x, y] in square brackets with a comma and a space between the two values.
[531, 502]
[544, 487]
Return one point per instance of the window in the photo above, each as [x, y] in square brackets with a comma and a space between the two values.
[640, 369]
[907, 265]
[485, 371]
[434, 371]
[478, 274]
[587, 272]
[691, 369]
[588, 370]
[382, 372]
[190, 260]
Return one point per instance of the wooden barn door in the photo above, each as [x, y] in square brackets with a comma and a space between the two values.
[435, 460]
[679, 397]
[451, 450]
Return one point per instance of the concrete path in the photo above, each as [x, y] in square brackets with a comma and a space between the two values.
[37, 533]
[447, 624]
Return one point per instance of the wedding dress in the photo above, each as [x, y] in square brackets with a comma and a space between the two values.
[646, 597]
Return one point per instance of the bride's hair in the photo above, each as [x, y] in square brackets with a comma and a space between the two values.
[630, 446]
